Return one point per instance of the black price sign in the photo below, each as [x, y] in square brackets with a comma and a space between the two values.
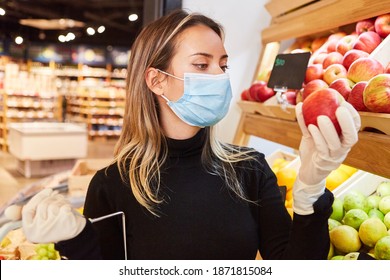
[289, 70]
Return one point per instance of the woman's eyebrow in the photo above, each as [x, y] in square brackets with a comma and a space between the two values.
[209, 55]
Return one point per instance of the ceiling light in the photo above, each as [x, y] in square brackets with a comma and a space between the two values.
[70, 36]
[62, 38]
[2, 12]
[19, 40]
[90, 31]
[133, 17]
[101, 29]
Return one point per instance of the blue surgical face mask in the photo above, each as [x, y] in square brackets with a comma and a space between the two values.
[205, 101]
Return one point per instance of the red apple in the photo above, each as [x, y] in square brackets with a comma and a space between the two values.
[382, 25]
[322, 102]
[332, 58]
[364, 69]
[318, 57]
[387, 70]
[254, 88]
[376, 95]
[367, 41]
[332, 41]
[245, 95]
[313, 86]
[355, 98]
[260, 92]
[365, 25]
[334, 72]
[291, 96]
[343, 86]
[314, 71]
[351, 55]
[317, 43]
[346, 43]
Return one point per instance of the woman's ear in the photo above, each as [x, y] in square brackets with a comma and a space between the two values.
[153, 81]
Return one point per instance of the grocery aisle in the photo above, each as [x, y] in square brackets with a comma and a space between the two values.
[11, 181]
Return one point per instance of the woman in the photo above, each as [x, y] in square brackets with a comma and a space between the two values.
[184, 194]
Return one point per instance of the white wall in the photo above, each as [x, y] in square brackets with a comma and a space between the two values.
[243, 22]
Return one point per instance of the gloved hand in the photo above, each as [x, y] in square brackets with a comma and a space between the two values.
[48, 217]
[321, 150]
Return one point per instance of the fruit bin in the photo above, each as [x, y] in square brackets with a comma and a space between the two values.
[296, 163]
[364, 182]
[280, 154]
[269, 108]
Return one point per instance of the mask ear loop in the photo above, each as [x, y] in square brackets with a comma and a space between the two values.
[123, 226]
[173, 76]
[166, 99]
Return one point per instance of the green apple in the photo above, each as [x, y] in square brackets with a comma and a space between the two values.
[338, 257]
[337, 210]
[354, 218]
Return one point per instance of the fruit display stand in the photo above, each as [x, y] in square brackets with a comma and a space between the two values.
[295, 19]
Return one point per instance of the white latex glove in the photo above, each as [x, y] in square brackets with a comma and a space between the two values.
[48, 217]
[321, 150]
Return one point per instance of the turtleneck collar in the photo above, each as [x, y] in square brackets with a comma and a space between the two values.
[187, 147]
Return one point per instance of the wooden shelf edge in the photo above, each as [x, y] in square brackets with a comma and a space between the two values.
[325, 18]
[371, 153]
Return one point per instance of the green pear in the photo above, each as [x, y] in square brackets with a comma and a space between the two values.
[355, 200]
[345, 239]
[383, 189]
[376, 213]
[337, 210]
[384, 204]
[373, 201]
[382, 248]
[386, 220]
[371, 230]
[354, 218]
[351, 256]
[333, 223]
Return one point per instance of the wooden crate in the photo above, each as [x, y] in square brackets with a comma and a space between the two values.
[375, 122]
[270, 108]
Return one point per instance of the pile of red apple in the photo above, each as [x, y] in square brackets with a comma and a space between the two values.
[342, 62]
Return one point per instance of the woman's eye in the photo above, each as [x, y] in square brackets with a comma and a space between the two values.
[224, 68]
[201, 66]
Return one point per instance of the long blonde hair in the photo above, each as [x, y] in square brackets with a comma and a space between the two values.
[142, 149]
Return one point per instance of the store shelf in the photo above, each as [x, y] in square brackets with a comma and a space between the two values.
[24, 106]
[100, 108]
[296, 19]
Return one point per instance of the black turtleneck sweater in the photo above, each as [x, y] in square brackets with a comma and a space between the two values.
[199, 218]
